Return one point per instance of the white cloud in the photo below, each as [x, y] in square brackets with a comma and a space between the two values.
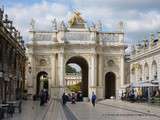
[140, 16]
[42, 12]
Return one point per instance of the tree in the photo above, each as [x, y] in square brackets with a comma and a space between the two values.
[70, 69]
[75, 88]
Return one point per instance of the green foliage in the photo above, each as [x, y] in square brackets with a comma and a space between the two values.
[45, 84]
[70, 69]
[75, 88]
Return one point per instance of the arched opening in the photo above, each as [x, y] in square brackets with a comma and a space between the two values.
[110, 85]
[139, 73]
[82, 63]
[146, 71]
[154, 70]
[42, 81]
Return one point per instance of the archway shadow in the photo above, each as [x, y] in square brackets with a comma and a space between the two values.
[110, 85]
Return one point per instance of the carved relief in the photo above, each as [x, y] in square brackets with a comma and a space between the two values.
[43, 62]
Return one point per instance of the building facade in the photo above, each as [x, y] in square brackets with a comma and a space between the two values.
[145, 63]
[99, 54]
[72, 78]
[12, 60]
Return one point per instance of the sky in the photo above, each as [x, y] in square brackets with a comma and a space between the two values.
[140, 17]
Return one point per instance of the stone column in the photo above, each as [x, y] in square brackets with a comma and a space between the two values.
[30, 81]
[150, 70]
[100, 91]
[61, 73]
[53, 76]
[121, 77]
[93, 75]
[33, 73]
[53, 81]
[122, 70]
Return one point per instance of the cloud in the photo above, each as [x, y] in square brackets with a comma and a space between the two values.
[42, 12]
[140, 16]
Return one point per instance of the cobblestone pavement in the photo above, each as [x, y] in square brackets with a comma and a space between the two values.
[31, 110]
[114, 110]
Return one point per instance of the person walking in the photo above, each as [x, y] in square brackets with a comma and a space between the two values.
[73, 99]
[42, 98]
[93, 99]
[64, 98]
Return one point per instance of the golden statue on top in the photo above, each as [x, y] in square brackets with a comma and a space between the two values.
[76, 20]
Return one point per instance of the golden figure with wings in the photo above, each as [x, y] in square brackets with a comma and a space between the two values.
[76, 19]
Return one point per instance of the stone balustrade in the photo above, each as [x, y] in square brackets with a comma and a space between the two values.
[111, 37]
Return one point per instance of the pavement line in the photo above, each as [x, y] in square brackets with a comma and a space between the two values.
[154, 115]
[45, 113]
[68, 113]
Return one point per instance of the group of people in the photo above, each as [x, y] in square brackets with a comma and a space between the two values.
[70, 97]
[73, 98]
[44, 97]
[76, 97]
[137, 95]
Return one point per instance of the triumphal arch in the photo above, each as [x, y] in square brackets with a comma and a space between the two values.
[99, 54]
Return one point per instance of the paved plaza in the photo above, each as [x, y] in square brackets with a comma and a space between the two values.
[31, 110]
[115, 110]
[104, 110]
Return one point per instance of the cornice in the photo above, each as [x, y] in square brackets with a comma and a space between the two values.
[145, 54]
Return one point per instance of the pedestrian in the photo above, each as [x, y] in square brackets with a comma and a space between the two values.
[42, 97]
[64, 98]
[46, 96]
[93, 99]
[73, 99]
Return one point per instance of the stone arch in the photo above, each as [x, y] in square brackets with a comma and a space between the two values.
[154, 70]
[146, 71]
[110, 85]
[39, 84]
[82, 62]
